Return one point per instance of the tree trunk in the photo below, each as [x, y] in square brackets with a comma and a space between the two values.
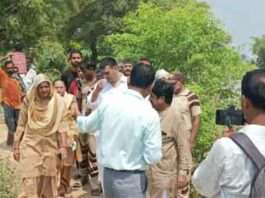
[93, 48]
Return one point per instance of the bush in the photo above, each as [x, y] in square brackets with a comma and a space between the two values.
[6, 182]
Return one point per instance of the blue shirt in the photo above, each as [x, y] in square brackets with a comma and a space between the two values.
[129, 131]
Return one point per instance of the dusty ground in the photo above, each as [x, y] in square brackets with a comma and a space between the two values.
[6, 155]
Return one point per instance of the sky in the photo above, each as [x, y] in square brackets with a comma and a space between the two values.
[243, 19]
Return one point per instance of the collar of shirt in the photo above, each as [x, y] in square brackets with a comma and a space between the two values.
[135, 94]
[121, 82]
[123, 79]
[183, 92]
[166, 117]
[253, 130]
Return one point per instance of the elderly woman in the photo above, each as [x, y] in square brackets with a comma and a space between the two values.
[40, 134]
[73, 146]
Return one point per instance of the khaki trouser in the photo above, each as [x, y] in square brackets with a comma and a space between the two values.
[39, 187]
[161, 190]
[159, 193]
[164, 187]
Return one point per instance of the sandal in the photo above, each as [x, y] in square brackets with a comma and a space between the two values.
[96, 192]
[76, 185]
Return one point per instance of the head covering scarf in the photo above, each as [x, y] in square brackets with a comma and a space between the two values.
[45, 117]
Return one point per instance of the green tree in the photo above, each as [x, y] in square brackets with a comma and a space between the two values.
[169, 3]
[36, 24]
[189, 39]
[28, 20]
[259, 50]
[96, 19]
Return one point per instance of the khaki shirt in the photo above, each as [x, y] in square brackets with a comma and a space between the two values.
[188, 104]
[176, 155]
[172, 127]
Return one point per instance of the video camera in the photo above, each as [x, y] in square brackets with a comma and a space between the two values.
[230, 116]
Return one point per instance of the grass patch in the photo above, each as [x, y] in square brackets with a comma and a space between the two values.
[7, 182]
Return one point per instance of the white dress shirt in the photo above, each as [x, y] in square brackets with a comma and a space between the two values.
[107, 88]
[129, 131]
[227, 172]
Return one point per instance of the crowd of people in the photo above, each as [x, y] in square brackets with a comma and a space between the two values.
[121, 127]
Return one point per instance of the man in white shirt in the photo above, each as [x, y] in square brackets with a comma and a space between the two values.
[129, 132]
[113, 79]
[227, 172]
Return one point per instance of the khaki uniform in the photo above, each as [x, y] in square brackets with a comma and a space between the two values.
[188, 105]
[176, 156]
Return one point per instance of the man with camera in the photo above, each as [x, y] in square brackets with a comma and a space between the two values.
[229, 170]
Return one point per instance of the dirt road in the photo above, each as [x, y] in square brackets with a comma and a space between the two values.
[6, 155]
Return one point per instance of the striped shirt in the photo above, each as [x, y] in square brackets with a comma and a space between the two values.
[188, 104]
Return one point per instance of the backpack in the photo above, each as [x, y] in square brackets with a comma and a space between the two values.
[246, 145]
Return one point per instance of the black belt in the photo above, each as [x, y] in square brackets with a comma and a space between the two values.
[125, 171]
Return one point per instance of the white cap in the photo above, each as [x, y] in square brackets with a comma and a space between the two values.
[161, 73]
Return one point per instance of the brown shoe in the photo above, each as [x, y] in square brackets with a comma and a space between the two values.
[10, 139]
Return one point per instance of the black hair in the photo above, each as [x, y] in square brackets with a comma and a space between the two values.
[7, 63]
[88, 66]
[164, 89]
[127, 61]
[74, 51]
[146, 60]
[18, 47]
[107, 61]
[142, 75]
[59, 80]
[179, 77]
[253, 88]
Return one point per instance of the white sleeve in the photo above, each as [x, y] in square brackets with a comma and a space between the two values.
[89, 124]
[93, 105]
[153, 142]
[206, 178]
